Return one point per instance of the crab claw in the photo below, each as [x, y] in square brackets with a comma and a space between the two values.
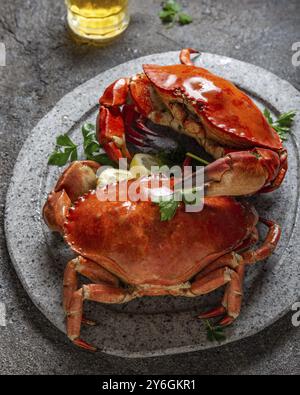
[242, 173]
[111, 133]
[54, 210]
[75, 181]
[116, 93]
[141, 92]
[110, 124]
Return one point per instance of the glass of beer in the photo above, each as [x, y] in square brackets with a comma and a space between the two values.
[98, 21]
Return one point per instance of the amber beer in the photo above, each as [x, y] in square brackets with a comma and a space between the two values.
[97, 20]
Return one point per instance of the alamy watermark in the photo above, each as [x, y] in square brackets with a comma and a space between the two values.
[162, 184]
[296, 316]
[2, 305]
[2, 54]
[2, 314]
[296, 56]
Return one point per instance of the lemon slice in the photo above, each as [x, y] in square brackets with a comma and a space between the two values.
[142, 164]
[111, 176]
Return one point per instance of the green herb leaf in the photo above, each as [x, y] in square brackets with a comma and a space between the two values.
[168, 208]
[167, 16]
[171, 13]
[171, 6]
[60, 158]
[185, 19]
[64, 141]
[87, 129]
[267, 114]
[74, 155]
[214, 333]
[104, 160]
[65, 150]
[283, 124]
[92, 148]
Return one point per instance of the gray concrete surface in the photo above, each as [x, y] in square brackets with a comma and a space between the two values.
[43, 65]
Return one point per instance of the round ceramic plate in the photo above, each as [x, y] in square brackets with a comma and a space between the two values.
[160, 325]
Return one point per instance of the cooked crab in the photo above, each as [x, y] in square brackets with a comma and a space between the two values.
[126, 252]
[250, 157]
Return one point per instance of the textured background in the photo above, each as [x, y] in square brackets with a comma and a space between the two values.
[43, 65]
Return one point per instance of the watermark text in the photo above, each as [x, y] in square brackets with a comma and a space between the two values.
[296, 316]
[296, 56]
[2, 54]
[2, 314]
[161, 184]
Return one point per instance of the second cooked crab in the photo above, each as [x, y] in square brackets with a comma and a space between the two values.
[250, 157]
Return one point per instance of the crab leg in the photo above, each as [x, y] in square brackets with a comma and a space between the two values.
[101, 293]
[88, 269]
[233, 297]
[281, 175]
[130, 119]
[231, 304]
[211, 281]
[251, 241]
[232, 300]
[268, 247]
[231, 261]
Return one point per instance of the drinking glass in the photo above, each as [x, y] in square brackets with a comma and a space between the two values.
[99, 21]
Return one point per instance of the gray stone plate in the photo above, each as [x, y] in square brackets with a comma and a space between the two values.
[151, 326]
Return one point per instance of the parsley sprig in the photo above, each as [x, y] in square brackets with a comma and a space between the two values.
[283, 124]
[214, 333]
[169, 205]
[92, 149]
[168, 208]
[172, 12]
[66, 150]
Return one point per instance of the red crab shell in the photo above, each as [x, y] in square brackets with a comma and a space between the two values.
[228, 112]
[129, 240]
